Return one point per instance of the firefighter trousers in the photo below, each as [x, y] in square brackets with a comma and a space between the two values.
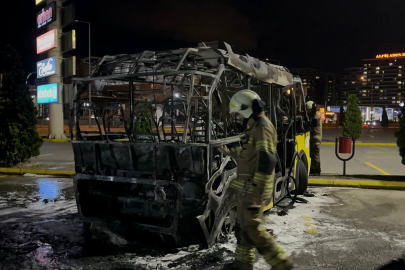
[251, 235]
[315, 153]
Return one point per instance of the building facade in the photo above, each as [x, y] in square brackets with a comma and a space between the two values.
[322, 87]
[377, 82]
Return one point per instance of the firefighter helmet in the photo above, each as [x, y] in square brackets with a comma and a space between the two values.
[241, 102]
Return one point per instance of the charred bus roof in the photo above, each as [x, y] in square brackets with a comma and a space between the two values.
[166, 67]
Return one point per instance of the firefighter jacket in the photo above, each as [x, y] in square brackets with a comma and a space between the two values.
[256, 158]
[316, 132]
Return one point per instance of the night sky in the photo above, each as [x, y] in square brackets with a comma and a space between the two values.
[326, 35]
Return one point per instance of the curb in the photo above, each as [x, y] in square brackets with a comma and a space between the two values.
[56, 140]
[40, 172]
[367, 184]
[364, 144]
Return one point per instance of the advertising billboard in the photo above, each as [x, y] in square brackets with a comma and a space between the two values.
[46, 42]
[48, 93]
[46, 67]
[46, 15]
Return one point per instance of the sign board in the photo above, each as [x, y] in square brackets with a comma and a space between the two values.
[69, 41]
[47, 41]
[47, 15]
[48, 93]
[391, 55]
[68, 14]
[69, 66]
[46, 67]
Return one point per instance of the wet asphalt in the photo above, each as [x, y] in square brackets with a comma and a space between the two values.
[40, 229]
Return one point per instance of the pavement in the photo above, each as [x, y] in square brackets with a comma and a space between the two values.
[339, 228]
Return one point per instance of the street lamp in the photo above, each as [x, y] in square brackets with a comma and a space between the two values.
[89, 65]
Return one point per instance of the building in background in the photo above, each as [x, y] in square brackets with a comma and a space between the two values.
[322, 87]
[378, 83]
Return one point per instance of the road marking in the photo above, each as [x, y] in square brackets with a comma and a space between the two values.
[45, 155]
[310, 225]
[378, 169]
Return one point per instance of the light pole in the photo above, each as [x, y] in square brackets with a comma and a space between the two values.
[89, 66]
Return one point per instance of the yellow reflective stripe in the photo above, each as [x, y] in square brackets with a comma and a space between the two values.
[265, 144]
[246, 255]
[251, 140]
[268, 189]
[241, 186]
[262, 177]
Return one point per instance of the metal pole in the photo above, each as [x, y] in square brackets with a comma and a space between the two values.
[89, 73]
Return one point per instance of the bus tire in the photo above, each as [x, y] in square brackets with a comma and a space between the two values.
[302, 177]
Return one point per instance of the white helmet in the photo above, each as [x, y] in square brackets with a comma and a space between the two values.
[241, 102]
[309, 105]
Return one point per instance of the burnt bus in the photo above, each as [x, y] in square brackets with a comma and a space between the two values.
[153, 165]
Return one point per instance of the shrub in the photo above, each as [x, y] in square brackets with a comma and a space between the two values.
[353, 123]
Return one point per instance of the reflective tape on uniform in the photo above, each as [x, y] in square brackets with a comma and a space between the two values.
[275, 256]
[268, 188]
[260, 177]
[251, 140]
[242, 185]
[265, 144]
[246, 255]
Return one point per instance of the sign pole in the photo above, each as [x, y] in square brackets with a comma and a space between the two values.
[56, 124]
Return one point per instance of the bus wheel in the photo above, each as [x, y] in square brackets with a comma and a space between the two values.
[302, 177]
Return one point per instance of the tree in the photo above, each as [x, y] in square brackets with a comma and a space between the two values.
[353, 123]
[400, 134]
[341, 116]
[384, 121]
[19, 139]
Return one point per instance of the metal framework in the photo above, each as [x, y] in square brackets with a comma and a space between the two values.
[159, 179]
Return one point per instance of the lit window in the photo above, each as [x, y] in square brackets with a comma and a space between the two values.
[377, 68]
[400, 66]
[393, 97]
[393, 102]
[330, 81]
[304, 80]
[364, 91]
[365, 65]
[381, 91]
[317, 77]
[304, 83]
[376, 87]
[344, 101]
[398, 101]
[399, 71]
[328, 99]
[390, 64]
[385, 97]
[383, 72]
[399, 94]
[364, 95]
[345, 82]
[365, 72]
[399, 82]
[377, 72]
[369, 65]
[381, 98]
[353, 82]
[399, 75]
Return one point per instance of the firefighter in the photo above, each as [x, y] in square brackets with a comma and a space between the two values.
[254, 184]
[315, 139]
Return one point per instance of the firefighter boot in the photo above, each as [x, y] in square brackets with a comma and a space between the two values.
[237, 265]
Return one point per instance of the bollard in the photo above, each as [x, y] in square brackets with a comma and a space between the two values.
[344, 149]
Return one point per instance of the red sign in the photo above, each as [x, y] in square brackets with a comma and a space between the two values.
[46, 42]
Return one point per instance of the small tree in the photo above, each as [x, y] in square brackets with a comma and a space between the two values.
[384, 121]
[353, 123]
[341, 116]
[400, 134]
[19, 139]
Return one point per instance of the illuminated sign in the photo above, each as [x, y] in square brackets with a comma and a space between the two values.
[37, 2]
[46, 67]
[46, 42]
[46, 15]
[48, 93]
[392, 55]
